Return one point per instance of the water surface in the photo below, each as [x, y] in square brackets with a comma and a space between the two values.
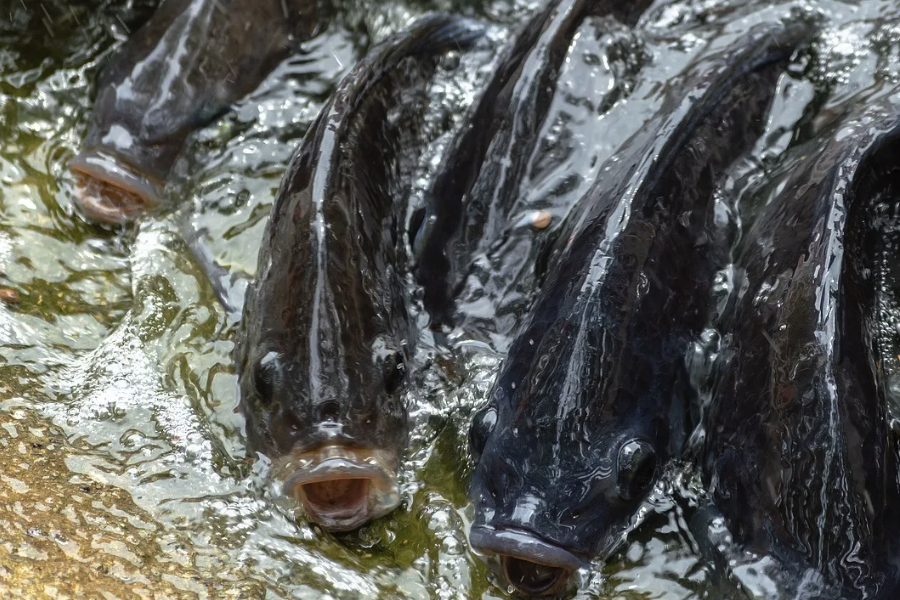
[123, 467]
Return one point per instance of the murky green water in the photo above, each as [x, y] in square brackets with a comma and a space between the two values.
[123, 470]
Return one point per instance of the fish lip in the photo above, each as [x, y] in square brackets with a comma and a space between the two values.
[519, 543]
[334, 463]
[99, 168]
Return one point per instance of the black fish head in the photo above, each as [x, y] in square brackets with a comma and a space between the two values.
[564, 466]
[110, 190]
[336, 451]
[324, 403]
[545, 517]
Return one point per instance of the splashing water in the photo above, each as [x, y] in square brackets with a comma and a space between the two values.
[124, 471]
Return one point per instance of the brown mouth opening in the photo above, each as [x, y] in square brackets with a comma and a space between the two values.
[534, 579]
[335, 498]
[107, 201]
[109, 189]
[340, 488]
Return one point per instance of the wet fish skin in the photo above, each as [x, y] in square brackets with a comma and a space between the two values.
[592, 398]
[326, 336]
[798, 449]
[469, 201]
[184, 67]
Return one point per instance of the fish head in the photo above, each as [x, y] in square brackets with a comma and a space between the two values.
[332, 423]
[562, 473]
[545, 518]
[337, 454]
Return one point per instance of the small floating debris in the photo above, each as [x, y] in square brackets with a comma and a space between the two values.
[9, 295]
[539, 219]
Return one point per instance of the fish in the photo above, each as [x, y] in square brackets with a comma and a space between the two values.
[798, 450]
[470, 198]
[178, 72]
[326, 336]
[593, 396]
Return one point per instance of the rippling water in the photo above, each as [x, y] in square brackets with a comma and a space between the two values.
[123, 470]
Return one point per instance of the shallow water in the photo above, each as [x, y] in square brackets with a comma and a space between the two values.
[123, 470]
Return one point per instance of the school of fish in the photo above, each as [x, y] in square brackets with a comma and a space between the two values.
[794, 437]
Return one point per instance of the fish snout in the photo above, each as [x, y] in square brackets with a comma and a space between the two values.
[529, 564]
[109, 191]
[342, 489]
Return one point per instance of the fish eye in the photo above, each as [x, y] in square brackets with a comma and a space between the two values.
[635, 469]
[483, 424]
[265, 374]
[394, 372]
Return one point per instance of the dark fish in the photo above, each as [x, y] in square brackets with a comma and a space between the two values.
[470, 199]
[592, 397]
[326, 336]
[179, 71]
[798, 447]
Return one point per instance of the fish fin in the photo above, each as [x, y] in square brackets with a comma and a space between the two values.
[228, 287]
[712, 541]
[680, 414]
[414, 231]
[740, 572]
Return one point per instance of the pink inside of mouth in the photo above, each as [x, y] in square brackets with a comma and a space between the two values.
[335, 498]
[340, 488]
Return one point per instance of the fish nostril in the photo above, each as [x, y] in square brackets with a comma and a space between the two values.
[534, 579]
[329, 410]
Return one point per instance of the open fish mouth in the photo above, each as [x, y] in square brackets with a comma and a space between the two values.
[341, 489]
[111, 191]
[529, 564]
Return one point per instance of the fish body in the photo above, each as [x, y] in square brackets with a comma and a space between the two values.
[469, 201]
[798, 446]
[326, 337]
[184, 67]
[593, 396]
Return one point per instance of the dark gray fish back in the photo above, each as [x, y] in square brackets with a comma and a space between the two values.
[328, 307]
[583, 406]
[470, 199]
[798, 445]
